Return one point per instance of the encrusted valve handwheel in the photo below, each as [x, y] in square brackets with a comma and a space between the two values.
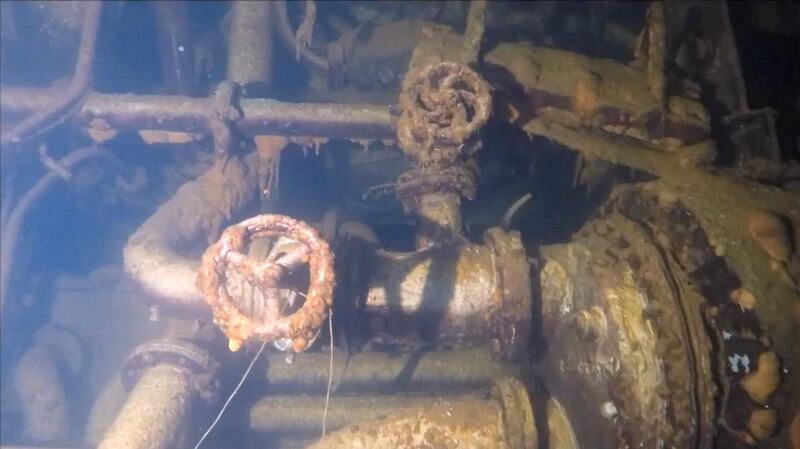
[226, 256]
[442, 105]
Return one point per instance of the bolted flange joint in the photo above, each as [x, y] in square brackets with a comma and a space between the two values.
[180, 354]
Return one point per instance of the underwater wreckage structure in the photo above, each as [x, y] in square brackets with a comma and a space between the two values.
[465, 229]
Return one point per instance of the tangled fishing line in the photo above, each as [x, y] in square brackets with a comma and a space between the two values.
[247, 373]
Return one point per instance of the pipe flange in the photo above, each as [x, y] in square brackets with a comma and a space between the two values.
[511, 317]
[197, 362]
[442, 106]
[226, 256]
[519, 424]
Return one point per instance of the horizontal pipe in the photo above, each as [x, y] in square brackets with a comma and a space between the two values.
[177, 113]
[446, 294]
[298, 415]
[454, 370]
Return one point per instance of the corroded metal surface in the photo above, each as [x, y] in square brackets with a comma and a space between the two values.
[155, 411]
[442, 106]
[503, 421]
[419, 371]
[195, 212]
[597, 92]
[176, 113]
[190, 358]
[745, 365]
[302, 326]
[511, 320]
[455, 293]
[626, 339]
[298, 415]
[165, 378]
[250, 47]
[443, 294]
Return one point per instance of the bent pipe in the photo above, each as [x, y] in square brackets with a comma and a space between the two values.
[38, 121]
[196, 211]
[9, 237]
[286, 34]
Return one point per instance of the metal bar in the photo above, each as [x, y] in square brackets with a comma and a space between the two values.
[250, 47]
[422, 371]
[176, 113]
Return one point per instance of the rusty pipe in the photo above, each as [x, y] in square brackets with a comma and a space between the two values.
[58, 109]
[196, 212]
[250, 47]
[444, 293]
[502, 421]
[427, 371]
[463, 293]
[166, 378]
[155, 411]
[176, 113]
[298, 415]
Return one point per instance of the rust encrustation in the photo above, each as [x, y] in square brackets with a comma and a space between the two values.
[442, 106]
[301, 326]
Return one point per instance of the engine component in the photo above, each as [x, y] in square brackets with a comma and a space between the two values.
[418, 371]
[166, 376]
[225, 256]
[443, 106]
[504, 421]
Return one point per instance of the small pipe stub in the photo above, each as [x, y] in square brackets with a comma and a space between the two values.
[226, 258]
[182, 355]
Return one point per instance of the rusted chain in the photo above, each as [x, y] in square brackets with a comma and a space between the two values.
[37, 122]
[226, 255]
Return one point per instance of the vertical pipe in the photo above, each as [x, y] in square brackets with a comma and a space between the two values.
[250, 47]
[154, 413]
[173, 40]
